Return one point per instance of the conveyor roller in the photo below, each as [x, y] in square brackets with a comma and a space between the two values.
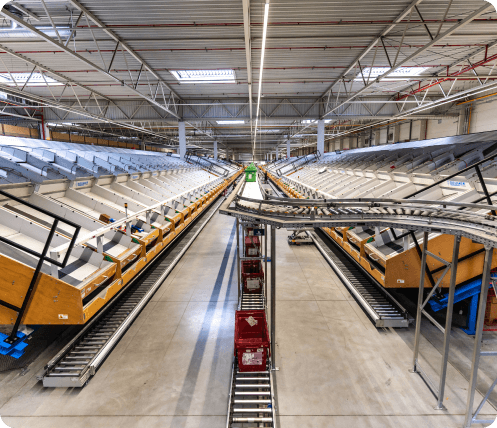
[80, 359]
[380, 306]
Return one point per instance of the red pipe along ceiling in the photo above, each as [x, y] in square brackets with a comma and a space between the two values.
[449, 77]
[117, 70]
[254, 49]
[279, 82]
[255, 24]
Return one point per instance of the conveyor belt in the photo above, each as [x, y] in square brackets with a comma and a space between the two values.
[276, 189]
[79, 360]
[252, 302]
[251, 400]
[451, 218]
[379, 305]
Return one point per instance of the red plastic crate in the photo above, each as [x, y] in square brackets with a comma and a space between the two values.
[252, 276]
[251, 266]
[252, 246]
[251, 340]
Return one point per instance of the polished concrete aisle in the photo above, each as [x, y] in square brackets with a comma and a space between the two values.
[173, 367]
[338, 370]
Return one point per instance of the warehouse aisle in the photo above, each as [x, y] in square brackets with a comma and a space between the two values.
[173, 367]
[336, 369]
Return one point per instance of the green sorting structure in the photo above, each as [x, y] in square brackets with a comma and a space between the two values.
[251, 173]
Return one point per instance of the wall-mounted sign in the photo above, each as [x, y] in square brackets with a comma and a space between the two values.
[457, 183]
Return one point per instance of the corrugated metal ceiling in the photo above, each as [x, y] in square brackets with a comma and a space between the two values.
[310, 43]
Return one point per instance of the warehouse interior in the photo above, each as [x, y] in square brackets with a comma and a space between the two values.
[248, 213]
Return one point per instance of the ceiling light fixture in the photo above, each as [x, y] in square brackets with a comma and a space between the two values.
[263, 50]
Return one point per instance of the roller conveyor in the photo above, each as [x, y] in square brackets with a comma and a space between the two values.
[251, 400]
[450, 170]
[380, 306]
[80, 359]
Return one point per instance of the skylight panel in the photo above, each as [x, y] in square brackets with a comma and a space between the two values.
[399, 72]
[37, 79]
[230, 122]
[16, 31]
[308, 121]
[205, 76]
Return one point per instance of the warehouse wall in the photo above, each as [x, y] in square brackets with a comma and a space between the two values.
[484, 116]
[82, 139]
[23, 132]
[404, 131]
[446, 127]
[18, 131]
[483, 119]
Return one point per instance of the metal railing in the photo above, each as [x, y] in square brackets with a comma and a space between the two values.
[487, 197]
[42, 257]
[205, 163]
[297, 163]
[143, 212]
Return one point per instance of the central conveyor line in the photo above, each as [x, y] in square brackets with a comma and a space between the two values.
[252, 394]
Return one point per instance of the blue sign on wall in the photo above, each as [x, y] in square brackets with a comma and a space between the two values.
[457, 183]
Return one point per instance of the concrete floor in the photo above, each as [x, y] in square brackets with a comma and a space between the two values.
[172, 369]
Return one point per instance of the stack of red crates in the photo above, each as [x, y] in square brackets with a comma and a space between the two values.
[251, 340]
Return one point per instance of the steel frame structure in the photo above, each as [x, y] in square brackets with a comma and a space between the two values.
[293, 213]
[398, 43]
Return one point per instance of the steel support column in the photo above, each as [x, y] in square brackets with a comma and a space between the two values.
[417, 333]
[273, 298]
[238, 270]
[215, 149]
[470, 416]
[182, 140]
[320, 145]
[438, 390]
[448, 323]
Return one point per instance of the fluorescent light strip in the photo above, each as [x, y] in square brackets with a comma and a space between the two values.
[263, 50]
